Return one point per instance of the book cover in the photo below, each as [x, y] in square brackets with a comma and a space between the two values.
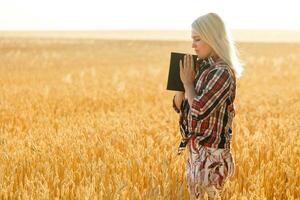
[174, 81]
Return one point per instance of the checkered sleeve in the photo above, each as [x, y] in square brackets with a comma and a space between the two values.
[215, 93]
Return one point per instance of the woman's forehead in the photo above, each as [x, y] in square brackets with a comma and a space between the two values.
[195, 34]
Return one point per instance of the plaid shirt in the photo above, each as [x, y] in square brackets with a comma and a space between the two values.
[212, 111]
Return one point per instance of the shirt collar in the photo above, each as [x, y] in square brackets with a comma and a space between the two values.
[208, 61]
[213, 59]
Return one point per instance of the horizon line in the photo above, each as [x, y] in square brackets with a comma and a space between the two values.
[239, 35]
[145, 29]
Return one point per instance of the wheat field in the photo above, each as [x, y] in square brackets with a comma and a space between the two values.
[92, 119]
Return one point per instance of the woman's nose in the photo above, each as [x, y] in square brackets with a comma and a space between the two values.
[193, 45]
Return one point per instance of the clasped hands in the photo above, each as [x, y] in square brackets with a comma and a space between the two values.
[187, 72]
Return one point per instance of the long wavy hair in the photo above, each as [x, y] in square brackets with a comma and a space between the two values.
[212, 30]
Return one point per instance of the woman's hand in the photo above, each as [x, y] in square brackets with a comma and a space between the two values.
[179, 97]
[187, 73]
[179, 93]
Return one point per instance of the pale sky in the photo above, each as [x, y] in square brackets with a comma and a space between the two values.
[145, 14]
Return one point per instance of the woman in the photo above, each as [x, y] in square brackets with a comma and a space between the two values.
[206, 107]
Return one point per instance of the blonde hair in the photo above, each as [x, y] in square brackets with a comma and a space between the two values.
[212, 30]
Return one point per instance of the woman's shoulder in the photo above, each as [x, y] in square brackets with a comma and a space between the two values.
[221, 69]
[220, 64]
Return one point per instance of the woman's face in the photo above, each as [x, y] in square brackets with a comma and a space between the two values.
[202, 49]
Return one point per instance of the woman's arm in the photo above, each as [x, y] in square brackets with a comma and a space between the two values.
[215, 92]
[177, 100]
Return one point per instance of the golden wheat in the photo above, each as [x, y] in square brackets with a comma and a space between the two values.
[91, 119]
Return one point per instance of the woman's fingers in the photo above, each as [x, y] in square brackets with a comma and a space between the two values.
[181, 69]
[185, 66]
[192, 62]
[188, 61]
[185, 61]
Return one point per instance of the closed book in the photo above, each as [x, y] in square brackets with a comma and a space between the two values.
[174, 81]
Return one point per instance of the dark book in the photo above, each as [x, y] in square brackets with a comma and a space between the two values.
[174, 81]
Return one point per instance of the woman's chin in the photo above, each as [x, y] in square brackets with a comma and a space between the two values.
[199, 56]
